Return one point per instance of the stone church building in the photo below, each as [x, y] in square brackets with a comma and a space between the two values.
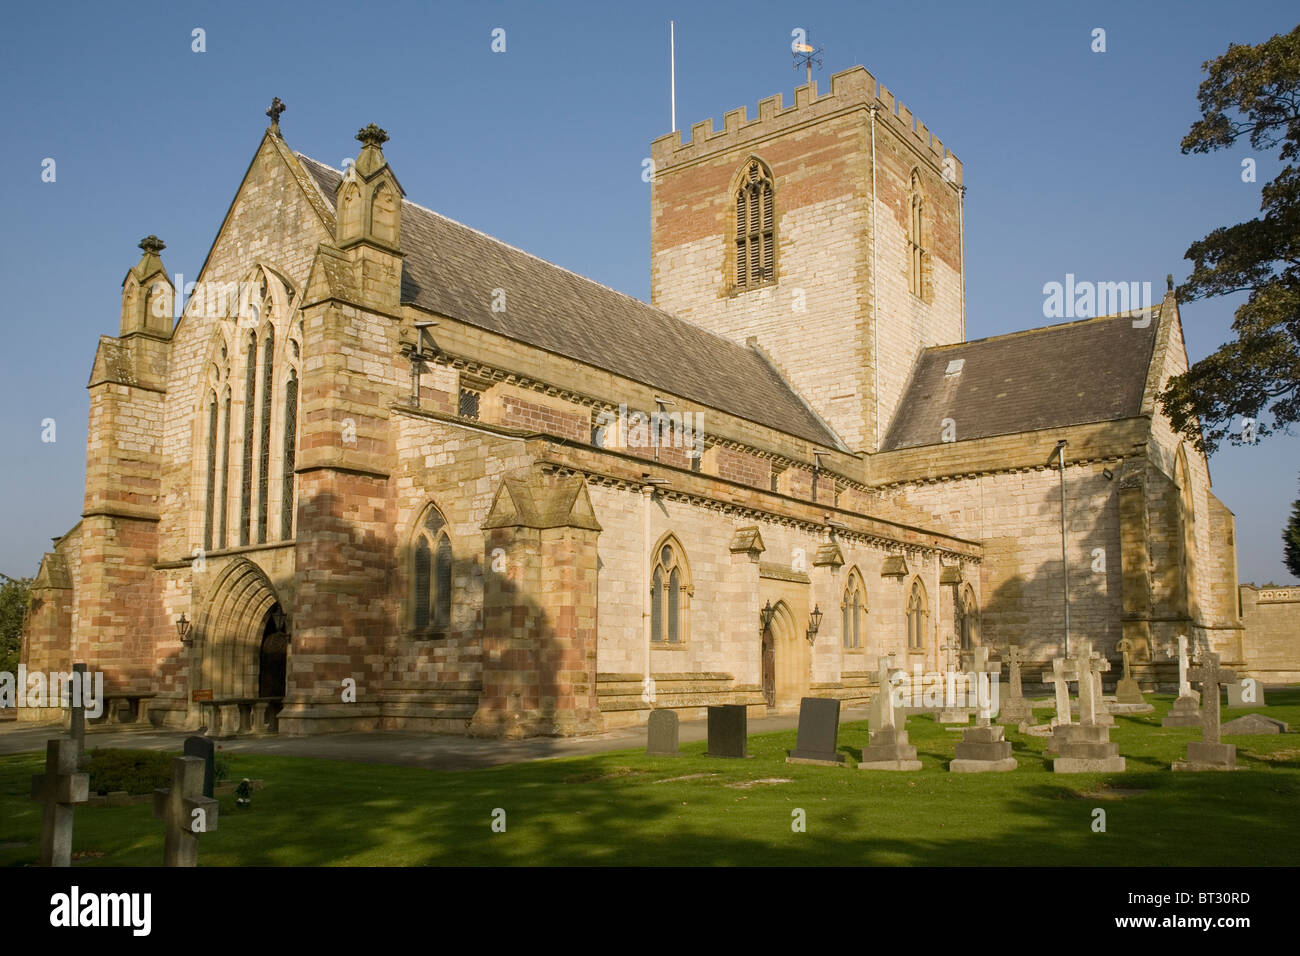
[386, 471]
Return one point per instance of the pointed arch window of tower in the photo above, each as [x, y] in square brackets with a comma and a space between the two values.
[918, 252]
[755, 225]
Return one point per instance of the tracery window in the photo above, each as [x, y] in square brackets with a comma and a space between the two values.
[755, 227]
[670, 589]
[917, 612]
[431, 573]
[853, 612]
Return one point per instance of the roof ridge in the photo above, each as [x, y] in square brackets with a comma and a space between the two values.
[555, 265]
[1154, 309]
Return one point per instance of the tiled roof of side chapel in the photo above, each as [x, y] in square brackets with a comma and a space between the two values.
[1093, 370]
[450, 269]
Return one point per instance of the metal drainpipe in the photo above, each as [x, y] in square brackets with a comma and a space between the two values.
[647, 495]
[875, 317]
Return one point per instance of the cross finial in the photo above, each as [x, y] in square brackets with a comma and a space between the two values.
[1169, 281]
[152, 245]
[277, 107]
[372, 135]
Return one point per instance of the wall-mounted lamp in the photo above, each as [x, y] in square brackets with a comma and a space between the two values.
[183, 627]
[814, 622]
[765, 615]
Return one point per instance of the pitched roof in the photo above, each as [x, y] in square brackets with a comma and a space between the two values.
[451, 269]
[1093, 370]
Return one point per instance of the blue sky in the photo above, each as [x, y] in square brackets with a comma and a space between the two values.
[1071, 159]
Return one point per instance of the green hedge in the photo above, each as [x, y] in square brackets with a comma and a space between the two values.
[135, 771]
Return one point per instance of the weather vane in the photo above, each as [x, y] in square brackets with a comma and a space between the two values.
[805, 54]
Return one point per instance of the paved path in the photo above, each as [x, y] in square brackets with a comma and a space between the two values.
[432, 751]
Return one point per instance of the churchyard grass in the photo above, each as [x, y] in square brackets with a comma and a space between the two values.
[624, 808]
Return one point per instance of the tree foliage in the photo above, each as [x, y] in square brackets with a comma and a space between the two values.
[1250, 92]
[1291, 542]
[13, 604]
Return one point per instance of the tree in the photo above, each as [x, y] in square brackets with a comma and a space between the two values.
[13, 603]
[1291, 542]
[1253, 92]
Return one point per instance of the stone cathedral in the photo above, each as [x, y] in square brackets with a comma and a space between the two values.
[387, 472]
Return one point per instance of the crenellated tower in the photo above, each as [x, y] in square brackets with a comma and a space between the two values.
[767, 229]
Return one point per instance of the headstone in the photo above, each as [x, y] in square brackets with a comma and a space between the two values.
[1060, 676]
[1128, 691]
[888, 748]
[1209, 753]
[1015, 709]
[77, 720]
[1086, 747]
[983, 750]
[1246, 692]
[661, 734]
[728, 730]
[1255, 724]
[186, 812]
[60, 789]
[1185, 711]
[819, 729]
[205, 750]
[951, 713]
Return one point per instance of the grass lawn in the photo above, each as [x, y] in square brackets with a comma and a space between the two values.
[626, 808]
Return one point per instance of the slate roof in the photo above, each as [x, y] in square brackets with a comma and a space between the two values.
[451, 269]
[1093, 370]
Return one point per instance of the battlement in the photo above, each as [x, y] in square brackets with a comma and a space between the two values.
[850, 89]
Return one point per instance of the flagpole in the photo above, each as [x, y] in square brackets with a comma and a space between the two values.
[672, 58]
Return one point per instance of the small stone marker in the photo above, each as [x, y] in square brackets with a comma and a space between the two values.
[1255, 724]
[1209, 753]
[728, 731]
[1060, 676]
[819, 730]
[1185, 711]
[1246, 692]
[179, 807]
[60, 788]
[1128, 691]
[77, 720]
[1015, 709]
[888, 748]
[205, 750]
[661, 734]
[1086, 747]
[950, 712]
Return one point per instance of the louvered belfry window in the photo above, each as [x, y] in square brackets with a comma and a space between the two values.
[755, 228]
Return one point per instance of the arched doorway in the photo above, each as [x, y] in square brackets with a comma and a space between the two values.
[769, 666]
[240, 636]
[273, 658]
[786, 661]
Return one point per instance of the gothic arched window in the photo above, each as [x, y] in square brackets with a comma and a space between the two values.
[264, 461]
[916, 238]
[290, 454]
[224, 476]
[431, 574]
[853, 612]
[755, 226]
[1187, 532]
[968, 619]
[210, 490]
[917, 612]
[670, 590]
[250, 395]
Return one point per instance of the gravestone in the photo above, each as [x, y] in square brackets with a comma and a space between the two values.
[1209, 753]
[1085, 747]
[1185, 711]
[1255, 724]
[819, 729]
[1098, 666]
[186, 812]
[60, 789]
[983, 748]
[1015, 709]
[1246, 692]
[661, 734]
[888, 748]
[950, 713]
[77, 720]
[1060, 676]
[205, 750]
[1128, 693]
[728, 731]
